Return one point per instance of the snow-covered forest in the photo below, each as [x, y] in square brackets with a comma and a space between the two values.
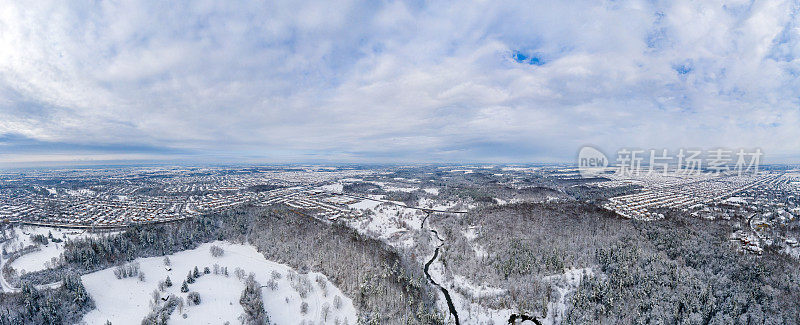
[671, 271]
[385, 288]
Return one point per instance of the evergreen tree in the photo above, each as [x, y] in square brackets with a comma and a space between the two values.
[252, 303]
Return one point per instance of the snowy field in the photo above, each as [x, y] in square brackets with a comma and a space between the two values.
[126, 301]
[367, 204]
[431, 190]
[40, 260]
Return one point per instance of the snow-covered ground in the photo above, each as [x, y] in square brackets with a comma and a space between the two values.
[436, 204]
[392, 220]
[735, 199]
[38, 260]
[468, 311]
[41, 259]
[464, 292]
[476, 291]
[473, 313]
[367, 204]
[126, 301]
[432, 191]
[391, 223]
[470, 234]
[564, 283]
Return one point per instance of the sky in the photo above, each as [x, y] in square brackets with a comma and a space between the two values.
[390, 81]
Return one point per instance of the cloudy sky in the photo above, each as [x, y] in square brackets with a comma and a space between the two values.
[385, 81]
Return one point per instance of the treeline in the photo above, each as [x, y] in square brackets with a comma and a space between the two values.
[585, 192]
[362, 188]
[94, 253]
[85, 255]
[409, 198]
[386, 288]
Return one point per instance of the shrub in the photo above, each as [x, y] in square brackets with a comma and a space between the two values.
[193, 298]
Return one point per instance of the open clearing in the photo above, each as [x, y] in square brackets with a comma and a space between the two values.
[126, 301]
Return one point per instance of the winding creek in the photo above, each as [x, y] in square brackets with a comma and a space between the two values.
[446, 293]
[513, 319]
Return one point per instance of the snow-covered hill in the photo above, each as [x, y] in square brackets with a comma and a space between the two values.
[126, 301]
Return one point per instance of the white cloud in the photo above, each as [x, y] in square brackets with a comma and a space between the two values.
[384, 81]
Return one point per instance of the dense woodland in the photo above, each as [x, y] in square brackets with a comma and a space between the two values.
[523, 243]
[65, 304]
[676, 270]
[685, 270]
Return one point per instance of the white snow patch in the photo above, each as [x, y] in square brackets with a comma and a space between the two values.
[391, 223]
[564, 283]
[432, 191]
[125, 301]
[471, 233]
[436, 204]
[476, 291]
[38, 260]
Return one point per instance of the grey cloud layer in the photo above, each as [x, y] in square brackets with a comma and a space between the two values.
[394, 81]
